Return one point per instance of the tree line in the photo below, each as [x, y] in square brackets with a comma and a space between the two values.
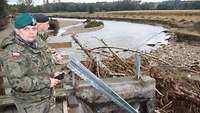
[3, 8]
[101, 6]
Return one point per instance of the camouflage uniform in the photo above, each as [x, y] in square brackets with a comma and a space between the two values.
[43, 36]
[28, 68]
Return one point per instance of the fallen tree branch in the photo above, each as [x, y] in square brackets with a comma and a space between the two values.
[107, 47]
[170, 103]
[129, 69]
[98, 62]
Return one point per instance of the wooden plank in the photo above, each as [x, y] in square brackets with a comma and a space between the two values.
[60, 45]
[72, 100]
[65, 108]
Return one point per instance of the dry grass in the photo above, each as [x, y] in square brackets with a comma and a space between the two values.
[160, 12]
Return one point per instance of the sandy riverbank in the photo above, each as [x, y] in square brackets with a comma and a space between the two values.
[76, 29]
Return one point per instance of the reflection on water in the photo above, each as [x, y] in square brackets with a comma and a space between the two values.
[117, 34]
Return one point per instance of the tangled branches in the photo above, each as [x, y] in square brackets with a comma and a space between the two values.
[178, 92]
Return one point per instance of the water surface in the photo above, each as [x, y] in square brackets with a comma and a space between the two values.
[117, 34]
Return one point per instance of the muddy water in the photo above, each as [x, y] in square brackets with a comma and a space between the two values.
[117, 34]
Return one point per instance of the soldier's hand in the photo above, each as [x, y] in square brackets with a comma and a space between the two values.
[54, 82]
[58, 56]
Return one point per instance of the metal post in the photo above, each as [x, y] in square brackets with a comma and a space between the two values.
[138, 64]
[73, 80]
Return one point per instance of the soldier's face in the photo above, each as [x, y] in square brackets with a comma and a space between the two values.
[28, 33]
[43, 26]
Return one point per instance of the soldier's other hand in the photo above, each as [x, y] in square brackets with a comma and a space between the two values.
[58, 57]
[54, 82]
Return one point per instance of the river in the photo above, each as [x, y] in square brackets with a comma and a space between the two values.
[116, 34]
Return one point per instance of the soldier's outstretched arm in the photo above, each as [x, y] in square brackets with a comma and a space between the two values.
[17, 71]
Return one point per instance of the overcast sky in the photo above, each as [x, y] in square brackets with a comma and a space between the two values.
[81, 1]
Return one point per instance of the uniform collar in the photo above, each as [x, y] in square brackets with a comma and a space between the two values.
[32, 45]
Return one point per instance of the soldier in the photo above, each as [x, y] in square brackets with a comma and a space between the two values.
[28, 67]
[43, 25]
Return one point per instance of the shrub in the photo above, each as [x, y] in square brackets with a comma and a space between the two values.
[93, 24]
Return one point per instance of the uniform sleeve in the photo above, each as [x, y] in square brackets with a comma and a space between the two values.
[17, 69]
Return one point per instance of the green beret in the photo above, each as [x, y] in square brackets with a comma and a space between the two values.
[24, 19]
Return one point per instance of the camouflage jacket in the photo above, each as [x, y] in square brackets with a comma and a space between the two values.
[28, 68]
[43, 36]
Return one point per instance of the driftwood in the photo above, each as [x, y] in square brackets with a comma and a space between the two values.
[129, 69]
[183, 93]
[149, 55]
[99, 64]
[172, 88]
[107, 47]
[171, 65]
[181, 89]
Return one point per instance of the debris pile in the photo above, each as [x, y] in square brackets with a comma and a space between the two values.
[175, 68]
